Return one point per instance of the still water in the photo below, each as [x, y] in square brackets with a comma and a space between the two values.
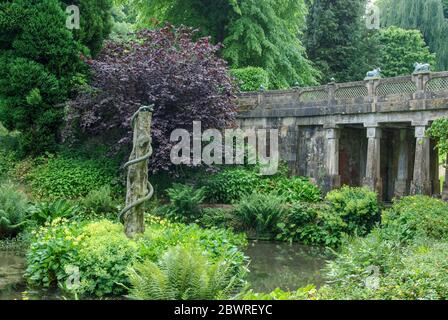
[273, 265]
[285, 266]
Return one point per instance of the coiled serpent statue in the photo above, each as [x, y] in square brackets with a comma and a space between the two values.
[142, 142]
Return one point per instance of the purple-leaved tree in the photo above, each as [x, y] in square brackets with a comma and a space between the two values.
[183, 78]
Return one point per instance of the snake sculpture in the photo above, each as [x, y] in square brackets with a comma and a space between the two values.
[138, 202]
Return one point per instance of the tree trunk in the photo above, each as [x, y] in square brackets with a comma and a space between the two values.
[137, 180]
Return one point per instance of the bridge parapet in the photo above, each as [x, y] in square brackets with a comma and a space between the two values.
[420, 91]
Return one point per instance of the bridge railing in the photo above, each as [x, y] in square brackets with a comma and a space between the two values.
[416, 86]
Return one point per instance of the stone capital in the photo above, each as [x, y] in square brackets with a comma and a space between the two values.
[374, 132]
[333, 133]
[420, 131]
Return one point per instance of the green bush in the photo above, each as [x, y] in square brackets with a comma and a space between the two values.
[59, 177]
[99, 201]
[230, 185]
[103, 254]
[52, 248]
[417, 217]
[260, 212]
[185, 203]
[358, 207]
[184, 273]
[39, 64]
[43, 212]
[220, 218]
[292, 189]
[251, 78]
[13, 207]
[416, 272]
[311, 224]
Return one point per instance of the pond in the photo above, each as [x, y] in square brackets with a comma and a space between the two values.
[285, 266]
[12, 283]
[273, 265]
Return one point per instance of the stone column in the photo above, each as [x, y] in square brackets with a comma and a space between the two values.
[445, 183]
[332, 163]
[373, 180]
[402, 179]
[421, 183]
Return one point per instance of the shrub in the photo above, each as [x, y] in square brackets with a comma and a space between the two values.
[53, 247]
[220, 218]
[39, 63]
[416, 217]
[13, 207]
[358, 207]
[47, 211]
[103, 254]
[59, 177]
[260, 212]
[311, 224]
[251, 78]
[292, 189]
[184, 273]
[185, 203]
[416, 272]
[99, 201]
[230, 185]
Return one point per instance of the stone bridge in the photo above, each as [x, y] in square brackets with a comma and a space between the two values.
[367, 133]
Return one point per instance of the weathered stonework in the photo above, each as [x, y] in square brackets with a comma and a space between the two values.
[369, 133]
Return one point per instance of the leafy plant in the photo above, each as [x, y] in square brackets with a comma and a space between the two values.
[47, 211]
[60, 177]
[231, 185]
[416, 217]
[13, 206]
[99, 201]
[358, 207]
[103, 254]
[260, 212]
[311, 224]
[292, 189]
[185, 203]
[184, 274]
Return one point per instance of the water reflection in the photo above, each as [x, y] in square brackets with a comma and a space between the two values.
[288, 267]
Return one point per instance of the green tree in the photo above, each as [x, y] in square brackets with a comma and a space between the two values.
[428, 16]
[337, 40]
[39, 64]
[255, 33]
[399, 49]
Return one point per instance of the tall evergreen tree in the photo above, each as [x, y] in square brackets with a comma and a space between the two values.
[428, 16]
[336, 38]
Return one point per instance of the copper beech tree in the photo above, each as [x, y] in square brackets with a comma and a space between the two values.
[183, 78]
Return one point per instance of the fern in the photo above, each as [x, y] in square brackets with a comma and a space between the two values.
[184, 274]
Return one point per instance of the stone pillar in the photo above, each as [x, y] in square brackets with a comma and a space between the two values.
[332, 163]
[373, 180]
[435, 170]
[445, 183]
[402, 179]
[421, 183]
